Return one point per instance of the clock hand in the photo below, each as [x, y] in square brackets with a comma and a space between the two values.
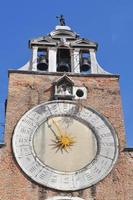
[64, 140]
[56, 136]
[61, 132]
[55, 122]
[57, 126]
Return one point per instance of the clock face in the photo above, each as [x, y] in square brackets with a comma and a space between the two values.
[63, 143]
[63, 146]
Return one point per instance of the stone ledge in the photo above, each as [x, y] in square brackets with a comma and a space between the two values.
[128, 149]
[2, 144]
[61, 73]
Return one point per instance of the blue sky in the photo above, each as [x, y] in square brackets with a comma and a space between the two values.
[110, 23]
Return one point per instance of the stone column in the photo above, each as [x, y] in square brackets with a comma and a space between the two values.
[93, 61]
[52, 59]
[76, 61]
[72, 59]
[34, 59]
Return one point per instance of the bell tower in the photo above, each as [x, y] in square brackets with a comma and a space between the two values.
[64, 135]
[62, 50]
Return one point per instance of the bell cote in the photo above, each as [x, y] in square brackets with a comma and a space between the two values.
[63, 50]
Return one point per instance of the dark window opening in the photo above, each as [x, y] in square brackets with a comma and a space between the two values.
[85, 63]
[80, 93]
[42, 60]
[63, 60]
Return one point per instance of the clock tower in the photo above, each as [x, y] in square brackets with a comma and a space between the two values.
[64, 135]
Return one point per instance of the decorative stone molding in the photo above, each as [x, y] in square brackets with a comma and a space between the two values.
[63, 37]
[64, 198]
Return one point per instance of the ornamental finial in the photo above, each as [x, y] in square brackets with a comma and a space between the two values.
[61, 20]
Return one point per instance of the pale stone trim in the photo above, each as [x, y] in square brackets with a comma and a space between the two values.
[63, 28]
[26, 67]
[84, 89]
[34, 58]
[52, 57]
[95, 67]
[76, 61]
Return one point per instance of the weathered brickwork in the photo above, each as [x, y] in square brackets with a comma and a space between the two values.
[28, 90]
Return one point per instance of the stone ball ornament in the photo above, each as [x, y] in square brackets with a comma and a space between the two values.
[64, 146]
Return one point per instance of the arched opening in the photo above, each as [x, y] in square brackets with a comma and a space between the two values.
[63, 60]
[85, 64]
[42, 60]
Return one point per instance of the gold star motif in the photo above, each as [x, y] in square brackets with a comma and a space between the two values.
[63, 142]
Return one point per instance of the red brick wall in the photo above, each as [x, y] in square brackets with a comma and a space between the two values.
[28, 90]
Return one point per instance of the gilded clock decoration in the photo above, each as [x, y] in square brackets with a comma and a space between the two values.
[63, 140]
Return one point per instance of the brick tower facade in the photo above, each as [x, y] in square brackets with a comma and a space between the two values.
[57, 59]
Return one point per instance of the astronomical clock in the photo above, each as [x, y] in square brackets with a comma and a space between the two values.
[64, 126]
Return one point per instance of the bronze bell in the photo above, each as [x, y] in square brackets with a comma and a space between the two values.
[63, 67]
[42, 63]
[85, 65]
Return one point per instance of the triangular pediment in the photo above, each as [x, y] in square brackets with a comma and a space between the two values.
[46, 40]
[83, 43]
[64, 78]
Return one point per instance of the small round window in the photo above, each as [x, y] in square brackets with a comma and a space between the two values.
[80, 93]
